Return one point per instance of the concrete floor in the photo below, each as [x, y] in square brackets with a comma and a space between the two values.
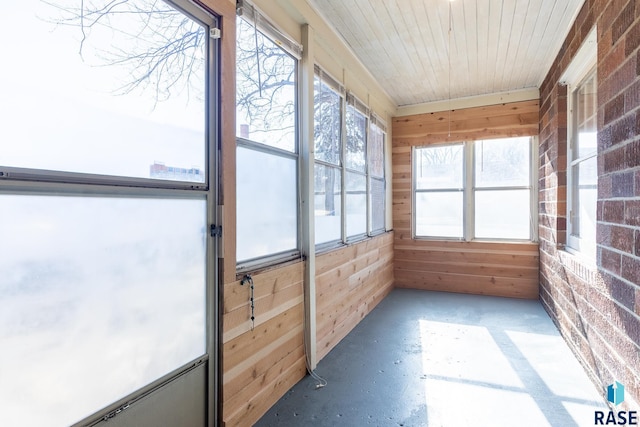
[438, 359]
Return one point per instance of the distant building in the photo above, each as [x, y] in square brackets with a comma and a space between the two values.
[161, 171]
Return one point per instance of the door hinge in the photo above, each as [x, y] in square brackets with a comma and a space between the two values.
[216, 230]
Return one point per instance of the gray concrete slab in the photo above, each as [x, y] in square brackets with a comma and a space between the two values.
[439, 359]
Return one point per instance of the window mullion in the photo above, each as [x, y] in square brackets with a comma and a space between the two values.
[414, 190]
[343, 172]
[367, 175]
[469, 192]
[515, 187]
[533, 183]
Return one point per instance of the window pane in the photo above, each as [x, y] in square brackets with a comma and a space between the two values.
[584, 197]
[503, 214]
[439, 167]
[129, 97]
[439, 214]
[266, 204]
[377, 204]
[356, 138]
[327, 123]
[376, 151]
[585, 100]
[356, 209]
[328, 204]
[502, 162]
[98, 297]
[265, 90]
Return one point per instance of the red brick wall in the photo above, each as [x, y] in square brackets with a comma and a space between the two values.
[597, 309]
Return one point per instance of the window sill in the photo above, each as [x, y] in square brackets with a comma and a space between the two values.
[458, 240]
[267, 264]
[322, 250]
[580, 265]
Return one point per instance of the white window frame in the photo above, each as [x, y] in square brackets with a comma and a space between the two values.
[469, 190]
[531, 187]
[463, 189]
[582, 67]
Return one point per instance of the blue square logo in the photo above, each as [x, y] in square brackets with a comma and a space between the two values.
[615, 393]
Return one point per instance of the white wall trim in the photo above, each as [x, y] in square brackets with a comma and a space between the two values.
[470, 102]
[583, 61]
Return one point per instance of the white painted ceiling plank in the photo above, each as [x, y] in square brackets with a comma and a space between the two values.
[525, 55]
[563, 20]
[439, 48]
[504, 35]
[495, 15]
[519, 24]
[420, 56]
[377, 32]
[459, 56]
[413, 67]
[471, 30]
[482, 31]
[427, 55]
[541, 55]
[496, 45]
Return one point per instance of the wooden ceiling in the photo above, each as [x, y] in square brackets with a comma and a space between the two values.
[494, 46]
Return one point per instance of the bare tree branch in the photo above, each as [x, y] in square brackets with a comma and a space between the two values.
[159, 47]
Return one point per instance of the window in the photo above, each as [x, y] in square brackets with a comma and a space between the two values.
[94, 285]
[377, 205]
[327, 135]
[349, 165]
[106, 257]
[582, 166]
[356, 168]
[83, 106]
[439, 191]
[502, 191]
[267, 155]
[582, 128]
[474, 190]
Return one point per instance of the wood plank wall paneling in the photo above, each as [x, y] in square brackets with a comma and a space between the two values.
[260, 365]
[488, 268]
[493, 121]
[350, 282]
[502, 269]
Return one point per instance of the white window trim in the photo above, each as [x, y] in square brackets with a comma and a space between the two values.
[415, 191]
[581, 67]
[469, 191]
